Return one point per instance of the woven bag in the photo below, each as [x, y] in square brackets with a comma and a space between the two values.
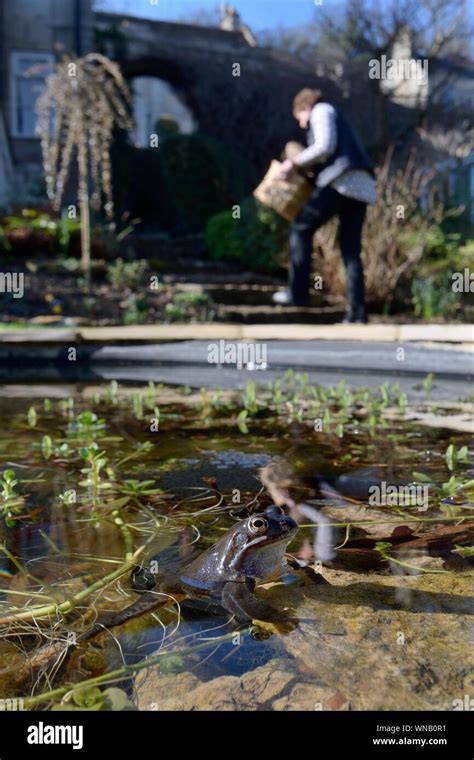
[287, 197]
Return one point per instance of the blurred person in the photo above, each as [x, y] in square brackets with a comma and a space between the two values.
[344, 183]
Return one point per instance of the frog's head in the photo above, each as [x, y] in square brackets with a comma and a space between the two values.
[255, 547]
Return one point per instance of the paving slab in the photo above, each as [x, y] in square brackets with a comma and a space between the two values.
[321, 332]
[451, 333]
[443, 333]
[40, 335]
[187, 331]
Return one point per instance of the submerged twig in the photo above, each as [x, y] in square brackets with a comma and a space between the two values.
[127, 536]
[120, 673]
[383, 521]
[33, 613]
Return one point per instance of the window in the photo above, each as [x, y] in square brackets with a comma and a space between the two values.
[28, 72]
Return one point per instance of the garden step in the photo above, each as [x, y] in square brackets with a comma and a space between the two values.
[149, 245]
[454, 336]
[280, 314]
[185, 268]
[251, 295]
[185, 257]
[217, 274]
[236, 294]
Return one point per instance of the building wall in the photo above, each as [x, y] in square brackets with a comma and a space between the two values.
[36, 26]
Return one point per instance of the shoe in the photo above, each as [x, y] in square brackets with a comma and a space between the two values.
[283, 298]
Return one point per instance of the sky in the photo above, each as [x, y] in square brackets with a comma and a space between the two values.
[259, 15]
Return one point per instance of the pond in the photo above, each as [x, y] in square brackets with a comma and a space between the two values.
[114, 478]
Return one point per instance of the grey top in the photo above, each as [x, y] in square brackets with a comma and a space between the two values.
[357, 184]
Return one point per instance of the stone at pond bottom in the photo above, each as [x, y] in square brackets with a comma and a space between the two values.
[269, 687]
[385, 643]
[408, 639]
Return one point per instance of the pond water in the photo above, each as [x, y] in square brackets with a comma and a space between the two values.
[113, 477]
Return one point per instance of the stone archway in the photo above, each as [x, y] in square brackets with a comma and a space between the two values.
[167, 71]
[250, 112]
[158, 108]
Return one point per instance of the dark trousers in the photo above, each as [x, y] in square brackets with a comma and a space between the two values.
[323, 204]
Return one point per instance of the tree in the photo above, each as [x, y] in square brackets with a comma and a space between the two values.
[370, 27]
[435, 29]
[344, 39]
[83, 101]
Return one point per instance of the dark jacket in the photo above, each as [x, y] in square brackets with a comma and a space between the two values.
[348, 156]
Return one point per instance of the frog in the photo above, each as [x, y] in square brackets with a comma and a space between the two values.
[252, 552]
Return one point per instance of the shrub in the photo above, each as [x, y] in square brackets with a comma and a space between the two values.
[430, 300]
[445, 252]
[202, 177]
[432, 289]
[180, 186]
[35, 231]
[166, 127]
[126, 274]
[136, 311]
[394, 245]
[256, 240]
[187, 307]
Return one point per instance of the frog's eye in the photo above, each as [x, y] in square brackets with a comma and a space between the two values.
[258, 524]
[277, 509]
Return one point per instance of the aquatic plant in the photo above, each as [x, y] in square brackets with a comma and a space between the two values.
[428, 384]
[250, 397]
[87, 424]
[32, 417]
[11, 504]
[50, 449]
[92, 698]
[95, 460]
[137, 491]
[455, 456]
